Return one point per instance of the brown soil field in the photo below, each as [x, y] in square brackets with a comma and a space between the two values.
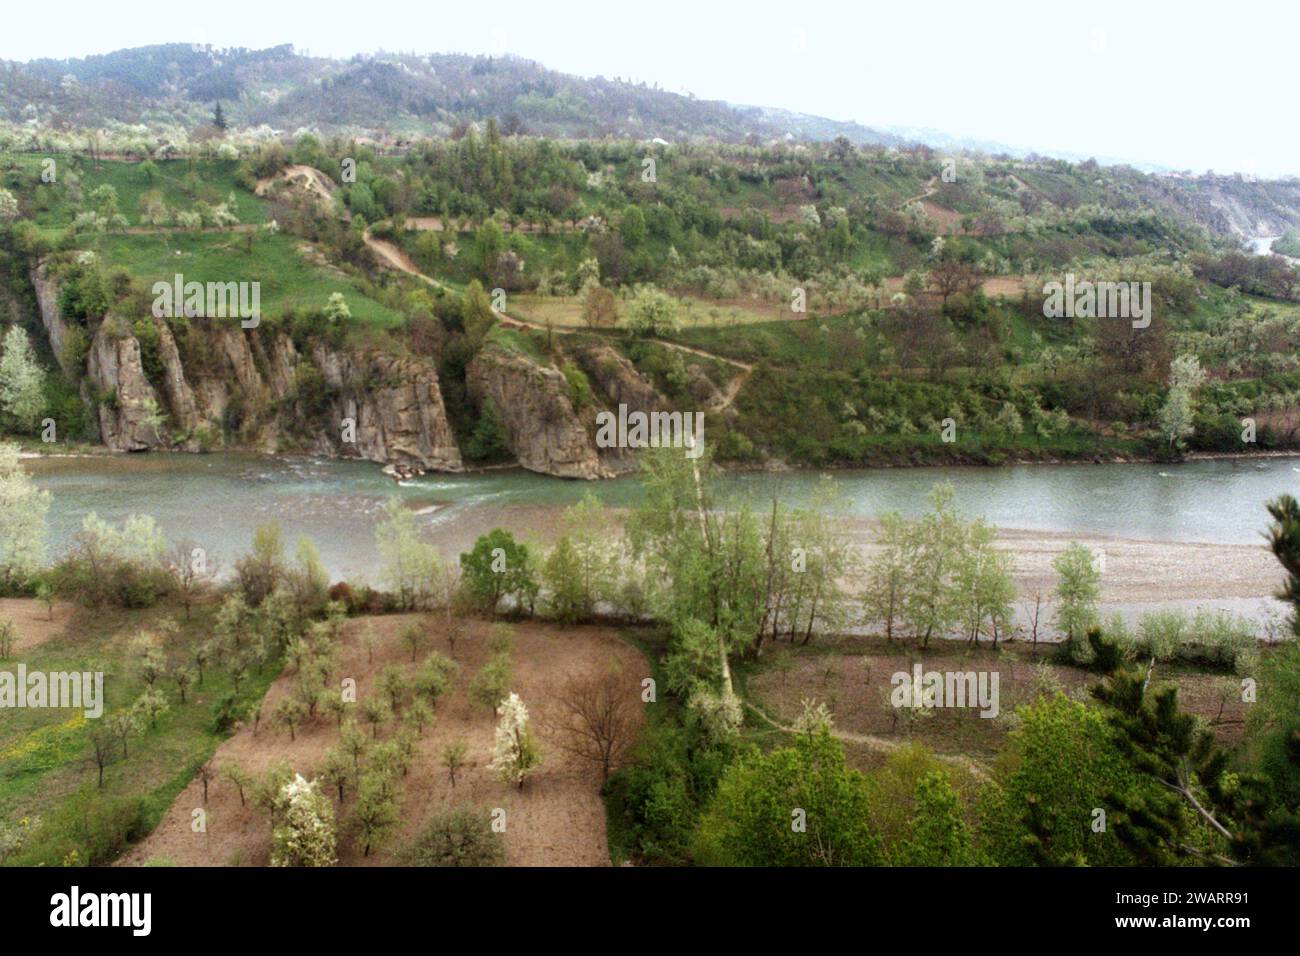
[947, 220]
[557, 819]
[853, 677]
[33, 622]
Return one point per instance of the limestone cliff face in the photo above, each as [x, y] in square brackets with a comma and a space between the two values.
[245, 392]
[47, 298]
[396, 406]
[125, 404]
[543, 431]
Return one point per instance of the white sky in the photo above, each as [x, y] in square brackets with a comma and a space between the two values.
[1189, 84]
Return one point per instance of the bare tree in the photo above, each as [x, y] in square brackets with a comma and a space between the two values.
[599, 720]
[191, 570]
[207, 773]
[103, 748]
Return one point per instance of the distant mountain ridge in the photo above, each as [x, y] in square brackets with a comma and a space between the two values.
[398, 94]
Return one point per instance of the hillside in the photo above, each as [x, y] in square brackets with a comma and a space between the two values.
[401, 95]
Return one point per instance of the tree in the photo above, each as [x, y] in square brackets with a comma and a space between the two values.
[489, 441]
[435, 678]
[632, 228]
[985, 587]
[1175, 418]
[239, 778]
[453, 758]
[392, 683]
[1182, 803]
[497, 567]
[289, 713]
[600, 720]
[409, 561]
[261, 570]
[305, 836]
[374, 711]
[1077, 592]
[149, 706]
[22, 518]
[599, 307]
[413, 638]
[651, 312]
[491, 683]
[191, 572]
[458, 836]
[1062, 762]
[219, 117]
[793, 806]
[183, 677]
[376, 812]
[22, 381]
[939, 835]
[931, 605]
[476, 313]
[1284, 541]
[419, 714]
[103, 747]
[888, 573]
[337, 771]
[514, 754]
[489, 243]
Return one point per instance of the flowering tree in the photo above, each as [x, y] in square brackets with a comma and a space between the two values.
[305, 836]
[514, 755]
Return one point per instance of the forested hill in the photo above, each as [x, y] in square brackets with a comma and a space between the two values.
[398, 94]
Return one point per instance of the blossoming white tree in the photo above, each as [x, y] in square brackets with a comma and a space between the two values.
[22, 518]
[514, 755]
[305, 837]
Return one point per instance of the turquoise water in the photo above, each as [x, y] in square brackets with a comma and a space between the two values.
[220, 499]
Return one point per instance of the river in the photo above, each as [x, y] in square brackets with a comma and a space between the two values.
[218, 500]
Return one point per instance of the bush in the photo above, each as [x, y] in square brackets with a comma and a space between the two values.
[461, 836]
[86, 830]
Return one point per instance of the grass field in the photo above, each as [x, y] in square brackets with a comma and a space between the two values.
[182, 183]
[45, 768]
[565, 311]
[288, 279]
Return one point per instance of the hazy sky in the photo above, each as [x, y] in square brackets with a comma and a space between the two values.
[1189, 84]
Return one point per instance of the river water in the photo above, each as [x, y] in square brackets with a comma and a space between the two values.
[218, 500]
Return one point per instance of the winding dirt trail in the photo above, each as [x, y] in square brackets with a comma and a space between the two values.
[885, 745]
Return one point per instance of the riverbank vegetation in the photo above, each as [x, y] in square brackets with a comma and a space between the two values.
[698, 673]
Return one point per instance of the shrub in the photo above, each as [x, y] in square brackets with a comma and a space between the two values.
[460, 836]
[86, 830]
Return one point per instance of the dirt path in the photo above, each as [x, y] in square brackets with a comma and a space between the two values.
[931, 188]
[884, 745]
[558, 819]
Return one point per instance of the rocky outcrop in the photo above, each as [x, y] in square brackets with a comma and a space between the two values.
[396, 406]
[543, 431]
[245, 389]
[47, 299]
[619, 380]
[180, 397]
[126, 405]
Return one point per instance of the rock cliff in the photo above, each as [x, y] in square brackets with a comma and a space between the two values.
[543, 430]
[245, 391]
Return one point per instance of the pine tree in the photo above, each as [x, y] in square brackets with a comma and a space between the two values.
[219, 117]
[1284, 539]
